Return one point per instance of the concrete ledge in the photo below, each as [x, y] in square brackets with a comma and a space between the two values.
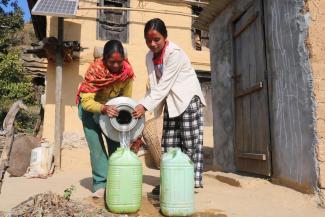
[303, 188]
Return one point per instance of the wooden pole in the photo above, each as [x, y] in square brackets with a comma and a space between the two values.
[138, 9]
[58, 96]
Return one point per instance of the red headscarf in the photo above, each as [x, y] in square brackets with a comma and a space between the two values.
[98, 77]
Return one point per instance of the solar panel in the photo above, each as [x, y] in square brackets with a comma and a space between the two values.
[58, 8]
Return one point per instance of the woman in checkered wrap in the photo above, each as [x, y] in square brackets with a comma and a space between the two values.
[174, 88]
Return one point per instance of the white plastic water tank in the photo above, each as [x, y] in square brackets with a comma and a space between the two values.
[112, 127]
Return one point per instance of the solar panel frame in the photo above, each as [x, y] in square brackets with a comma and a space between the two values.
[57, 8]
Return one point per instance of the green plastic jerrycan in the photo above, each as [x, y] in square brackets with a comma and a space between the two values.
[176, 184]
[124, 182]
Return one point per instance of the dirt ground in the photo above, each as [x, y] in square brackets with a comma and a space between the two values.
[223, 195]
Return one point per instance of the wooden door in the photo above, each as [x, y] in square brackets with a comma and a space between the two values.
[252, 132]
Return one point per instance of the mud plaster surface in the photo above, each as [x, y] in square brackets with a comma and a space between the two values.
[316, 45]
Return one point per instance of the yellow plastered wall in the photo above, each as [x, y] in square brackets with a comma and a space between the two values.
[316, 44]
[83, 28]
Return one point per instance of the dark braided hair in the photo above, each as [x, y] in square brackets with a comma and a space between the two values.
[156, 24]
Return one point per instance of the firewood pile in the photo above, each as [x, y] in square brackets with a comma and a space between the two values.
[53, 205]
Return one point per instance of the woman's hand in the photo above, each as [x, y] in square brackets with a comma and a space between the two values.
[139, 111]
[109, 110]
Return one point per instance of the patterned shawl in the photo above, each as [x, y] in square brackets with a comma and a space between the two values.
[98, 77]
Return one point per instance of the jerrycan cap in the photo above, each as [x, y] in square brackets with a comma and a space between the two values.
[112, 127]
[124, 156]
[176, 156]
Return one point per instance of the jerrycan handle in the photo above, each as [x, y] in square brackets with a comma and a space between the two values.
[176, 152]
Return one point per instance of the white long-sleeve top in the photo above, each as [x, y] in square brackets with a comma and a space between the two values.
[178, 84]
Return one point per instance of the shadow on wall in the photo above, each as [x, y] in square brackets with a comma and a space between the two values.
[70, 71]
[207, 110]
[208, 160]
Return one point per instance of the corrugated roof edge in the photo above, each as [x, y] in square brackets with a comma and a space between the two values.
[209, 12]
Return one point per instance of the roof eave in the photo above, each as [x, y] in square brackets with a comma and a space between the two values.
[212, 10]
[39, 22]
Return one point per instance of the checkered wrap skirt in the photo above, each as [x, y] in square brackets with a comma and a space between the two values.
[186, 132]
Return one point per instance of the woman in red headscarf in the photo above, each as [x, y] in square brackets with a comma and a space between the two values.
[106, 78]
